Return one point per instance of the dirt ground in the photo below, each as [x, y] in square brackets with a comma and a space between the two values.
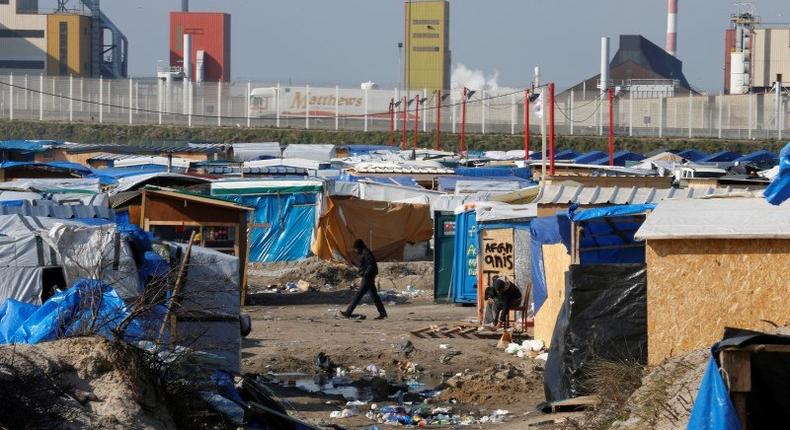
[290, 329]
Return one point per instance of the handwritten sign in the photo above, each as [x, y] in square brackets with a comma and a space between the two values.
[497, 255]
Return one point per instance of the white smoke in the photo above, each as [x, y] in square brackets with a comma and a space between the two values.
[473, 79]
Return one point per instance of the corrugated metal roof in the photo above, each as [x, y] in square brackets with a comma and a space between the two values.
[207, 148]
[69, 211]
[568, 194]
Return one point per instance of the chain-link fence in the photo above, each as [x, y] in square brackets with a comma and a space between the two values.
[266, 104]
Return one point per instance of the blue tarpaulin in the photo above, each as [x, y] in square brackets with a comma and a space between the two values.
[779, 190]
[692, 154]
[542, 231]
[761, 156]
[27, 145]
[466, 249]
[282, 225]
[713, 409]
[620, 158]
[565, 155]
[492, 172]
[110, 175]
[607, 234]
[721, 157]
[589, 157]
[88, 307]
[76, 167]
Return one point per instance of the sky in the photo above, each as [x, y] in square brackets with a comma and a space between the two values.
[346, 42]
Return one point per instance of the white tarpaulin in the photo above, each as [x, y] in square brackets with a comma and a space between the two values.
[497, 211]
[717, 218]
[96, 252]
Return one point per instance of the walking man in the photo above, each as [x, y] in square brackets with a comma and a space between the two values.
[368, 269]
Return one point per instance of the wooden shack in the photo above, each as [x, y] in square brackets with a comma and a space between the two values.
[714, 263]
[173, 215]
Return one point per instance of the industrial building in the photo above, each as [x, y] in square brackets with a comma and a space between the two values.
[207, 36]
[427, 36]
[756, 55]
[641, 67]
[71, 40]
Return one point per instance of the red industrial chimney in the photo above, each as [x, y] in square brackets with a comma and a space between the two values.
[672, 27]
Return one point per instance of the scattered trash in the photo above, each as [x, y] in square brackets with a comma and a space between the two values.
[345, 413]
[528, 348]
[323, 362]
[444, 346]
[445, 359]
[374, 370]
[543, 356]
[303, 286]
[405, 347]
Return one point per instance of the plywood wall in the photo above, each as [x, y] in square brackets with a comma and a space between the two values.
[555, 262]
[697, 287]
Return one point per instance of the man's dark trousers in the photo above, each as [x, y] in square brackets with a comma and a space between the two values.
[368, 285]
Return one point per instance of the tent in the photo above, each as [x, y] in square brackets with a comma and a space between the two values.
[286, 212]
[693, 155]
[720, 157]
[385, 227]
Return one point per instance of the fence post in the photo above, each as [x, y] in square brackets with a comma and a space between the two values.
[41, 97]
[513, 113]
[455, 113]
[396, 119]
[11, 96]
[307, 107]
[249, 91]
[483, 111]
[719, 102]
[424, 113]
[109, 94]
[630, 113]
[690, 113]
[751, 110]
[277, 105]
[159, 86]
[101, 99]
[71, 98]
[337, 107]
[661, 116]
[366, 108]
[219, 103]
[572, 101]
[190, 101]
[27, 93]
[82, 93]
[131, 96]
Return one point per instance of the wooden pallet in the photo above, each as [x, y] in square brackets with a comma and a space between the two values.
[461, 330]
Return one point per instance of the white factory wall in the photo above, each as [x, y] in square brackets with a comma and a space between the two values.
[771, 56]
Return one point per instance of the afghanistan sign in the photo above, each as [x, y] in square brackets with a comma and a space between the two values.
[497, 255]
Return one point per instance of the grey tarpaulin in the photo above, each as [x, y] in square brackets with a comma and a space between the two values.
[208, 315]
[604, 317]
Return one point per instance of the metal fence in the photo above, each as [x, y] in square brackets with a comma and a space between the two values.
[266, 104]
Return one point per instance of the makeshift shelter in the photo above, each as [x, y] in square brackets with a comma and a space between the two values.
[282, 224]
[40, 254]
[713, 263]
[443, 251]
[54, 169]
[316, 152]
[385, 227]
[745, 384]
[256, 151]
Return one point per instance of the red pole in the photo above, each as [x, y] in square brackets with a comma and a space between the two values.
[438, 144]
[416, 120]
[392, 122]
[551, 128]
[462, 146]
[403, 132]
[526, 124]
[611, 126]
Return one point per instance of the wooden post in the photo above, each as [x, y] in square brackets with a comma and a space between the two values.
[737, 366]
[176, 291]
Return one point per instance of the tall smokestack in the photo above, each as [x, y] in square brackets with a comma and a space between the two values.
[184, 5]
[672, 27]
[604, 64]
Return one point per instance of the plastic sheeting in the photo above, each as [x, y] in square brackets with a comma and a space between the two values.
[465, 252]
[604, 317]
[498, 212]
[385, 227]
[87, 308]
[543, 231]
[607, 233]
[282, 226]
[779, 190]
[713, 409]
[212, 282]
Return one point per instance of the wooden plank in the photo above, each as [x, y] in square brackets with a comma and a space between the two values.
[736, 365]
[767, 348]
[175, 296]
[497, 257]
[555, 262]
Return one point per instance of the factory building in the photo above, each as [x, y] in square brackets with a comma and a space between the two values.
[427, 36]
[209, 37]
[755, 57]
[68, 41]
[642, 67]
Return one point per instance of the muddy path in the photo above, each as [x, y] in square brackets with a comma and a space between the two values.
[290, 329]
